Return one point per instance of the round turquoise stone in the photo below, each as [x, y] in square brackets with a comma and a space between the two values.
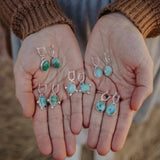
[98, 72]
[42, 101]
[108, 70]
[53, 100]
[56, 63]
[71, 88]
[85, 88]
[111, 109]
[45, 65]
[100, 106]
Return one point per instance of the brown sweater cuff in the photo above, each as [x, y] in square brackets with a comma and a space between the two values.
[145, 14]
[34, 15]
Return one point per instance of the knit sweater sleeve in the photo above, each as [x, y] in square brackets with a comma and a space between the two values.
[25, 17]
[145, 14]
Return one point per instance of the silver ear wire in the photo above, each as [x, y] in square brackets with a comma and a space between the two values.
[83, 77]
[39, 49]
[53, 89]
[102, 97]
[69, 76]
[39, 88]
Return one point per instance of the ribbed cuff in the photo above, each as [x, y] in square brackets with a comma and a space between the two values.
[34, 15]
[145, 14]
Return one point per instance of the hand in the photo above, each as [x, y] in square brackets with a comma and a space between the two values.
[53, 127]
[132, 78]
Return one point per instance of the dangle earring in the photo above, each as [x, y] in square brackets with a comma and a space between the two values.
[98, 71]
[111, 109]
[71, 88]
[42, 101]
[45, 64]
[53, 99]
[56, 63]
[84, 87]
[108, 69]
[100, 106]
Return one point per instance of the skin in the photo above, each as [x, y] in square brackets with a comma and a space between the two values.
[132, 78]
[55, 128]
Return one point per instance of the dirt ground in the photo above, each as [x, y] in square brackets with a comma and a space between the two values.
[17, 140]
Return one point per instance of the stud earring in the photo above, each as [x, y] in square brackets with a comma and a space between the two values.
[108, 69]
[56, 63]
[42, 101]
[97, 71]
[45, 64]
[84, 87]
[111, 109]
[71, 88]
[100, 106]
[53, 99]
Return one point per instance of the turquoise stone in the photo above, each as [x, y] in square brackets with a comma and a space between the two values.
[56, 63]
[45, 65]
[100, 106]
[111, 109]
[98, 72]
[71, 88]
[42, 101]
[85, 88]
[53, 100]
[108, 70]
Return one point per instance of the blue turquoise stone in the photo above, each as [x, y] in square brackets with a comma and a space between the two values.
[53, 100]
[45, 65]
[100, 106]
[98, 72]
[56, 63]
[85, 88]
[71, 88]
[42, 101]
[111, 109]
[108, 70]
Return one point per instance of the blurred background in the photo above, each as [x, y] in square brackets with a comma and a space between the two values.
[17, 141]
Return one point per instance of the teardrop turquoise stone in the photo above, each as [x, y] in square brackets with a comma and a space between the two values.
[56, 63]
[53, 100]
[42, 101]
[100, 106]
[111, 109]
[85, 88]
[71, 88]
[98, 72]
[108, 70]
[45, 65]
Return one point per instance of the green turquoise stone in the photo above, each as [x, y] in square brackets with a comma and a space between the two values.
[53, 100]
[42, 101]
[111, 109]
[108, 70]
[56, 63]
[100, 106]
[45, 65]
[85, 88]
[71, 88]
[98, 72]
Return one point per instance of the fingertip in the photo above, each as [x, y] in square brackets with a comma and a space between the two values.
[76, 124]
[92, 144]
[71, 150]
[28, 113]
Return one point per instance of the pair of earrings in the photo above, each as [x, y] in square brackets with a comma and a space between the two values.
[107, 70]
[53, 99]
[71, 88]
[45, 64]
[111, 109]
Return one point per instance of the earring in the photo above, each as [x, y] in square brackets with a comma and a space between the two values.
[71, 88]
[97, 72]
[53, 99]
[101, 104]
[45, 64]
[42, 101]
[84, 88]
[108, 68]
[111, 109]
[56, 63]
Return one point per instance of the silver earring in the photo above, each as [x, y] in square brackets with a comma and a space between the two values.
[97, 71]
[108, 69]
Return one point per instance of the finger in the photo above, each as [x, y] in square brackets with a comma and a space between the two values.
[40, 126]
[107, 130]
[69, 136]
[24, 94]
[76, 112]
[56, 132]
[95, 124]
[123, 124]
[88, 100]
[144, 85]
